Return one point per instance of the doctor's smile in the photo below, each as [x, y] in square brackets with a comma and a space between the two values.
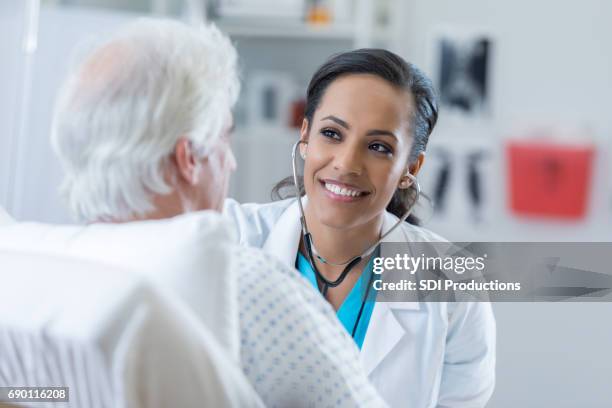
[342, 192]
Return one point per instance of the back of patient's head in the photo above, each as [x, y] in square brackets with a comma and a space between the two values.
[124, 107]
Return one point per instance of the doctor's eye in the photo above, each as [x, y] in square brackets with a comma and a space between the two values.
[330, 133]
[381, 148]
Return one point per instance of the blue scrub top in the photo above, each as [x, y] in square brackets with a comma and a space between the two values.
[349, 310]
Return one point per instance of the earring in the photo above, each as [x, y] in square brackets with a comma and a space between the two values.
[304, 155]
[407, 183]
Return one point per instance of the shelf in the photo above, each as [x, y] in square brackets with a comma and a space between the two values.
[266, 133]
[288, 30]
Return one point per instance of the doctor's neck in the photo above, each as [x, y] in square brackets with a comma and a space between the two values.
[341, 244]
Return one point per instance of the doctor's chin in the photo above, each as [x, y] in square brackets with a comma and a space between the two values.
[305, 203]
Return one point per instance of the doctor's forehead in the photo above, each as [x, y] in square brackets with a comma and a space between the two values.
[365, 100]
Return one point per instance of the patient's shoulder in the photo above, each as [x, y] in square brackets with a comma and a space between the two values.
[283, 321]
[253, 264]
[262, 276]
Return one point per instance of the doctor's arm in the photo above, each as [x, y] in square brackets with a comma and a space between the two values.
[468, 375]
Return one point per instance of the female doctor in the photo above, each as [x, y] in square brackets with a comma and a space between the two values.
[368, 118]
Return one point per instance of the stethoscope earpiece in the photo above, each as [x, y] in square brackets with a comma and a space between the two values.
[407, 183]
[303, 153]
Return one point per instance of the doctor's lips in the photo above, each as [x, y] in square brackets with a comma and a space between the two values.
[342, 191]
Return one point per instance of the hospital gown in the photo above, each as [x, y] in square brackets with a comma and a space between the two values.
[293, 349]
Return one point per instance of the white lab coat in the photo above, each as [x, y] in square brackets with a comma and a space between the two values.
[417, 354]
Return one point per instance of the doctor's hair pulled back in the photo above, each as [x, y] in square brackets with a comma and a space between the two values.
[399, 73]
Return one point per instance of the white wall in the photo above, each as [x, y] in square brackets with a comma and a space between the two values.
[552, 66]
[555, 355]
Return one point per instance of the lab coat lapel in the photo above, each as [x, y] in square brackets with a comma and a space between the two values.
[385, 330]
[284, 238]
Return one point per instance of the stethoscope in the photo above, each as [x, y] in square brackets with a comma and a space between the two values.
[312, 252]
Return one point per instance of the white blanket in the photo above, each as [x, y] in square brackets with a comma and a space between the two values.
[112, 337]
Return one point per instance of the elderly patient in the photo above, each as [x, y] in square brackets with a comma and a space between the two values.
[142, 128]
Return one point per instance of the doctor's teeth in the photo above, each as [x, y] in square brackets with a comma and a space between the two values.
[341, 191]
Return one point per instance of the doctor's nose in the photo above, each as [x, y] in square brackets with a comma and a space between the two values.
[348, 160]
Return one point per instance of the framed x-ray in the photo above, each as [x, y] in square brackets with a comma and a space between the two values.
[462, 69]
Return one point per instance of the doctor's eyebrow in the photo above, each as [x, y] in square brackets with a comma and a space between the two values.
[380, 132]
[338, 121]
[373, 132]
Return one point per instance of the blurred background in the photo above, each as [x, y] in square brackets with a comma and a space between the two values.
[521, 151]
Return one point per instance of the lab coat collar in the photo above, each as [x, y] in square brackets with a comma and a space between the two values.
[284, 238]
[384, 331]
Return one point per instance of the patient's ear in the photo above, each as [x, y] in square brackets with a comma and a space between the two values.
[186, 161]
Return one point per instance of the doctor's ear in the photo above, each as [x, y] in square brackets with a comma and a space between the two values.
[304, 138]
[304, 130]
[411, 172]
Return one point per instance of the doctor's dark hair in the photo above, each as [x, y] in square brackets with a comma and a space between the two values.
[401, 74]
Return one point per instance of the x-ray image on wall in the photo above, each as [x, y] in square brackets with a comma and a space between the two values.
[463, 65]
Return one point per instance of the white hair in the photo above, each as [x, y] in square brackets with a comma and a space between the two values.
[122, 111]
